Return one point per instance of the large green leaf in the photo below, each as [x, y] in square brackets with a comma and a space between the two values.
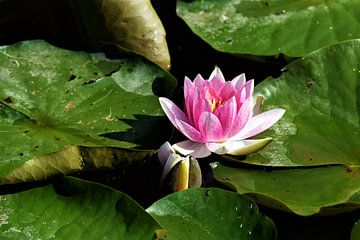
[291, 27]
[83, 211]
[324, 190]
[321, 95]
[131, 24]
[211, 214]
[51, 98]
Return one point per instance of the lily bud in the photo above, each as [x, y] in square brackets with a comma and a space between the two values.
[183, 172]
[186, 174]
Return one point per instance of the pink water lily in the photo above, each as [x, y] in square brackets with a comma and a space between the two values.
[219, 116]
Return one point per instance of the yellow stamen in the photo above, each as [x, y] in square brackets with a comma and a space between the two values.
[214, 104]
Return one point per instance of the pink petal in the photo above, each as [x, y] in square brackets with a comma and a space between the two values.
[200, 105]
[197, 150]
[217, 78]
[209, 92]
[163, 153]
[172, 111]
[189, 90]
[189, 131]
[238, 148]
[199, 81]
[216, 73]
[188, 87]
[226, 114]
[239, 81]
[227, 91]
[210, 127]
[259, 123]
[248, 88]
[245, 93]
[242, 117]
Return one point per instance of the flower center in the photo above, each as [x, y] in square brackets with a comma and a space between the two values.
[214, 103]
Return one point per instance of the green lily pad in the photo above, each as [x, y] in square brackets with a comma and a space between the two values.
[211, 214]
[321, 126]
[323, 190]
[355, 233]
[292, 27]
[51, 98]
[84, 210]
[320, 93]
[131, 24]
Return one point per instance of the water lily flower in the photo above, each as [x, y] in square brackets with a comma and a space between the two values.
[219, 116]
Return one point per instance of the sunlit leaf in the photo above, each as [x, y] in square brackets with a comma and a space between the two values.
[320, 93]
[292, 27]
[52, 98]
[131, 24]
[321, 126]
[327, 190]
[211, 214]
[74, 209]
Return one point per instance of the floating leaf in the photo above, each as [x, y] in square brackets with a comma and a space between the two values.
[320, 93]
[211, 214]
[51, 98]
[321, 126]
[294, 28]
[76, 210]
[327, 190]
[131, 24]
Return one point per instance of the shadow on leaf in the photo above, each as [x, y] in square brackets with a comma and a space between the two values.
[149, 132]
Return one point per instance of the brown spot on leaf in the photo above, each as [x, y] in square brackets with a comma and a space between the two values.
[69, 106]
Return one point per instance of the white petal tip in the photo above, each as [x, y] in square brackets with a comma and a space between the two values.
[250, 146]
[164, 152]
[216, 72]
[197, 150]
